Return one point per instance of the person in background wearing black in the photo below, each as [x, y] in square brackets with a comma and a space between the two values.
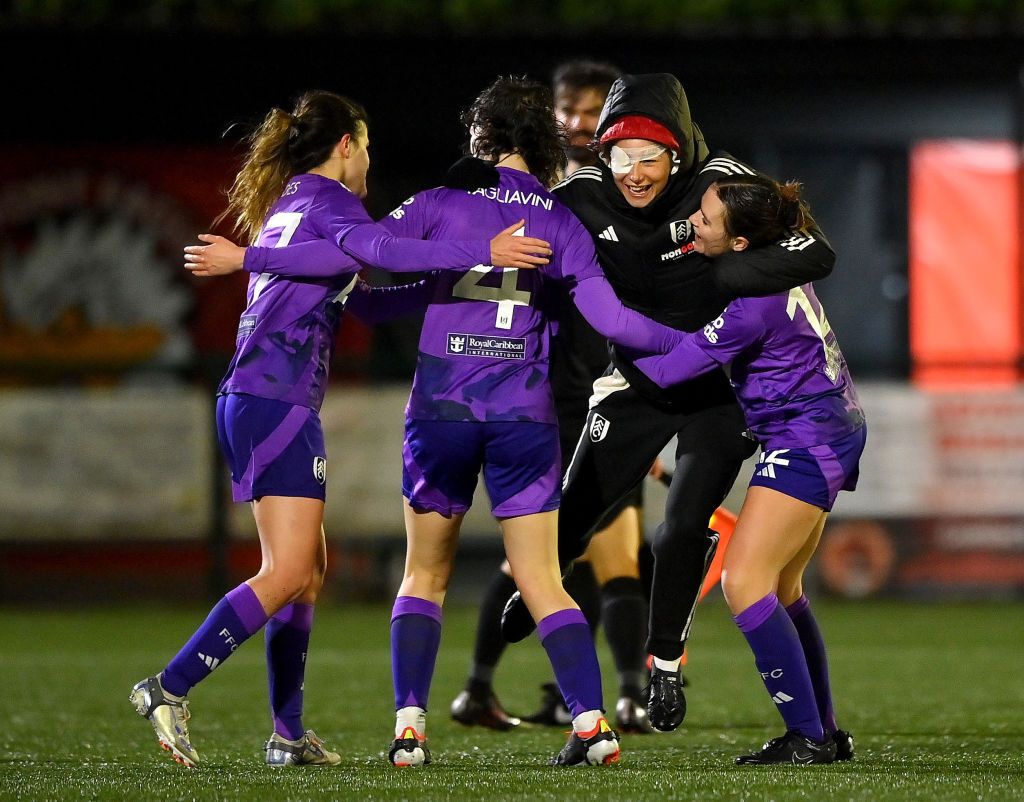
[636, 203]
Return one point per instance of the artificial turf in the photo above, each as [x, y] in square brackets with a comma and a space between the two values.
[933, 693]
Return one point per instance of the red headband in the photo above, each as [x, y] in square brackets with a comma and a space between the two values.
[638, 127]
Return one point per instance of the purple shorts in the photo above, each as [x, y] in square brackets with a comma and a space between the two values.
[815, 474]
[520, 462]
[272, 448]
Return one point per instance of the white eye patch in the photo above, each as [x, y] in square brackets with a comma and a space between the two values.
[621, 160]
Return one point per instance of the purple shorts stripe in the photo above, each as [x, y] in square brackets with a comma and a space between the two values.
[413, 605]
[519, 459]
[271, 448]
[247, 607]
[562, 618]
[831, 468]
[814, 475]
[757, 613]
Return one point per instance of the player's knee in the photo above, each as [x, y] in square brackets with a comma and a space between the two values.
[742, 587]
[290, 581]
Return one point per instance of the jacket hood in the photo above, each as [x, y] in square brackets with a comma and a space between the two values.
[659, 96]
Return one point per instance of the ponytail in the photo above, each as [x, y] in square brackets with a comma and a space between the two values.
[287, 144]
[762, 210]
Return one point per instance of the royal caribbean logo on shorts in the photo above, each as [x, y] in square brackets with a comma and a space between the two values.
[320, 469]
[494, 347]
[599, 428]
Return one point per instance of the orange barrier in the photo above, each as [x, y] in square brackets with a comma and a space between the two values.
[723, 522]
[965, 263]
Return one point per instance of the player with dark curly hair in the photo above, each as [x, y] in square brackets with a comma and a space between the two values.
[481, 401]
[303, 179]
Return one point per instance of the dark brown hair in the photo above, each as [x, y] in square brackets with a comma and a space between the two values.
[580, 74]
[286, 144]
[761, 209]
[514, 115]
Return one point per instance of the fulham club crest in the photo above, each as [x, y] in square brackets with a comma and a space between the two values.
[599, 428]
[679, 230]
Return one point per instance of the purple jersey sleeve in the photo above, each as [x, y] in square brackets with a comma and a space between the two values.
[720, 341]
[340, 219]
[598, 303]
[318, 258]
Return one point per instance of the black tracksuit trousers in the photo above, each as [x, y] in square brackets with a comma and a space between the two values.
[623, 435]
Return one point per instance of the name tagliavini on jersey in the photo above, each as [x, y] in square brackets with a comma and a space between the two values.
[495, 347]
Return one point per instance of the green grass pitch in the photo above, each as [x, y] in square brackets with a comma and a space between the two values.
[934, 695]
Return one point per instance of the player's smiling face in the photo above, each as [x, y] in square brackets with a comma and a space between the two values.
[646, 178]
[709, 235]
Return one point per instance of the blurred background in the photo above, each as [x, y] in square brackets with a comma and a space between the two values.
[903, 118]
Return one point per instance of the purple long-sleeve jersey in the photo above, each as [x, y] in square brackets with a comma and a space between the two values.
[483, 349]
[286, 335]
[790, 377]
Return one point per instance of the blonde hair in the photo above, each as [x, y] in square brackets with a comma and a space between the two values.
[286, 144]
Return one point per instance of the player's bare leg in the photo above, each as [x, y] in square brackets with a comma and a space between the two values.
[775, 532]
[431, 541]
[532, 551]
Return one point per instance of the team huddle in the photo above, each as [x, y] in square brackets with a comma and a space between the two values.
[576, 319]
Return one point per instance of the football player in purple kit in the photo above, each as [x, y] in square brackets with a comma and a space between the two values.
[796, 393]
[481, 399]
[303, 179]
[606, 582]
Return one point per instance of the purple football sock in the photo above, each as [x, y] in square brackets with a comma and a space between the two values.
[780, 659]
[230, 623]
[287, 637]
[415, 637]
[566, 638]
[817, 659]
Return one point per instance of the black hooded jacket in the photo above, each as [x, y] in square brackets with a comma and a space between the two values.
[647, 253]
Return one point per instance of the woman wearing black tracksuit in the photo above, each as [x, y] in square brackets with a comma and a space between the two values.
[655, 169]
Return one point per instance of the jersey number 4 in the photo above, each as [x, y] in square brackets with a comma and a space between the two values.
[508, 296]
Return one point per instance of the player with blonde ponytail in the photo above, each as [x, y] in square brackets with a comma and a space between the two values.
[302, 181]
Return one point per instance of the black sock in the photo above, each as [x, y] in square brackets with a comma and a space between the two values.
[582, 586]
[489, 644]
[624, 612]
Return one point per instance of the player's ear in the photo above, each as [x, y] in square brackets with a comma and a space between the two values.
[344, 147]
[740, 244]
